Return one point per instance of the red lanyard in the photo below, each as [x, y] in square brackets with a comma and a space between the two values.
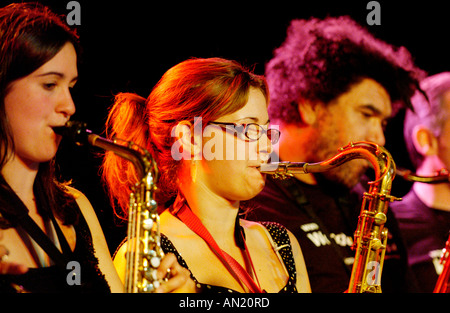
[181, 210]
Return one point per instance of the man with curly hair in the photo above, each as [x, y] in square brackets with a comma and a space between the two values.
[331, 82]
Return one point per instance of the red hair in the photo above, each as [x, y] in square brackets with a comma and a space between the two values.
[206, 88]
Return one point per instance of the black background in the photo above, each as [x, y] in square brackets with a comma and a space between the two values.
[129, 44]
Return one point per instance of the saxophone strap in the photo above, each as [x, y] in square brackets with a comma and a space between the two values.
[182, 211]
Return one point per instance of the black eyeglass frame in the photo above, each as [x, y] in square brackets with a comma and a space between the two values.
[244, 129]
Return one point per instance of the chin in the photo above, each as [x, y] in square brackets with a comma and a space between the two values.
[256, 188]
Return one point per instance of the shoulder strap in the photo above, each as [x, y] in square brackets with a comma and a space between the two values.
[280, 238]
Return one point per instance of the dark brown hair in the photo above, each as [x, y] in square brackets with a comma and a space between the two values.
[31, 35]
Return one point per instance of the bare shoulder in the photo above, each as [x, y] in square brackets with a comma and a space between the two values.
[255, 230]
[260, 227]
[83, 202]
[78, 195]
[98, 240]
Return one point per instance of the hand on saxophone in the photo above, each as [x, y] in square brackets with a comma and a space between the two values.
[179, 280]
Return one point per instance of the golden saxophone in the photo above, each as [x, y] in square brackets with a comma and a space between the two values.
[442, 176]
[144, 252]
[370, 236]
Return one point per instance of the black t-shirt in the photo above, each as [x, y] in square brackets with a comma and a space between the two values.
[324, 219]
[425, 231]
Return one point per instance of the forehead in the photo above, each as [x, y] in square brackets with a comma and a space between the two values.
[65, 61]
[255, 109]
[446, 100]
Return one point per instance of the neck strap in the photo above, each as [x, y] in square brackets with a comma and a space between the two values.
[181, 210]
[19, 218]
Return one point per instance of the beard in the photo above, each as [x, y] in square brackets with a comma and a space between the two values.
[348, 174]
[323, 147]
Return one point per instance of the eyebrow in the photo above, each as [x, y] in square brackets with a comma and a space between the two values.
[377, 112]
[61, 75]
[372, 108]
[255, 119]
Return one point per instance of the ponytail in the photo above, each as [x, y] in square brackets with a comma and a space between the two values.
[127, 119]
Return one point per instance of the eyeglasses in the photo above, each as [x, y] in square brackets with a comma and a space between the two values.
[251, 131]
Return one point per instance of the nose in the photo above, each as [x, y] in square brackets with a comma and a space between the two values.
[265, 145]
[66, 106]
[376, 135]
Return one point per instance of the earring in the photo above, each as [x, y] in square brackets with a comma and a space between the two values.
[194, 171]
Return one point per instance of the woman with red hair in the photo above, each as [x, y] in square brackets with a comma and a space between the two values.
[206, 124]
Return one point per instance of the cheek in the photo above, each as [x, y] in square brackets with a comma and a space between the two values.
[24, 106]
[444, 151]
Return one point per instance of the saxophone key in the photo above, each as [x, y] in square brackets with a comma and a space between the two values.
[147, 224]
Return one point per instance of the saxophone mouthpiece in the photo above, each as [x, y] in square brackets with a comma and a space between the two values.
[75, 130]
[268, 168]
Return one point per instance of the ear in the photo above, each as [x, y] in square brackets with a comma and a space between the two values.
[424, 141]
[308, 111]
[187, 139]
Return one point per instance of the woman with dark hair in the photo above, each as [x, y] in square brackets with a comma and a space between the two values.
[206, 124]
[47, 227]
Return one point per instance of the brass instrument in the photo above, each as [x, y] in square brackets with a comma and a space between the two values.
[443, 282]
[442, 176]
[370, 236]
[144, 252]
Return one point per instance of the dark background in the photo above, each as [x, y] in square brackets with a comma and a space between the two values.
[129, 44]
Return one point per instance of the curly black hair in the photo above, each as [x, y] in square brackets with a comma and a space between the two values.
[322, 59]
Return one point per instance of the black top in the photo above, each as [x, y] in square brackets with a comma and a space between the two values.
[281, 239]
[56, 278]
[425, 231]
[324, 219]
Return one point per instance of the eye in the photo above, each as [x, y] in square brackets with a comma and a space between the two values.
[49, 86]
[366, 114]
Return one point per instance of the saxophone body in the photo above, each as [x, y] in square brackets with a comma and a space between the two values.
[144, 252]
[370, 236]
[442, 176]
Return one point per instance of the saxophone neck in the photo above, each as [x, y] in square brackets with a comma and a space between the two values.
[139, 156]
[380, 159]
[441, 176]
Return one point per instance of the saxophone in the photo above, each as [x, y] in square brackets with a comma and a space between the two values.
[144, 252]
[442, 176]
[370, 236]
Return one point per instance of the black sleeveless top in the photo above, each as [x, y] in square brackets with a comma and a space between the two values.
[280, 238]
[58, 279]
[54, 279]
